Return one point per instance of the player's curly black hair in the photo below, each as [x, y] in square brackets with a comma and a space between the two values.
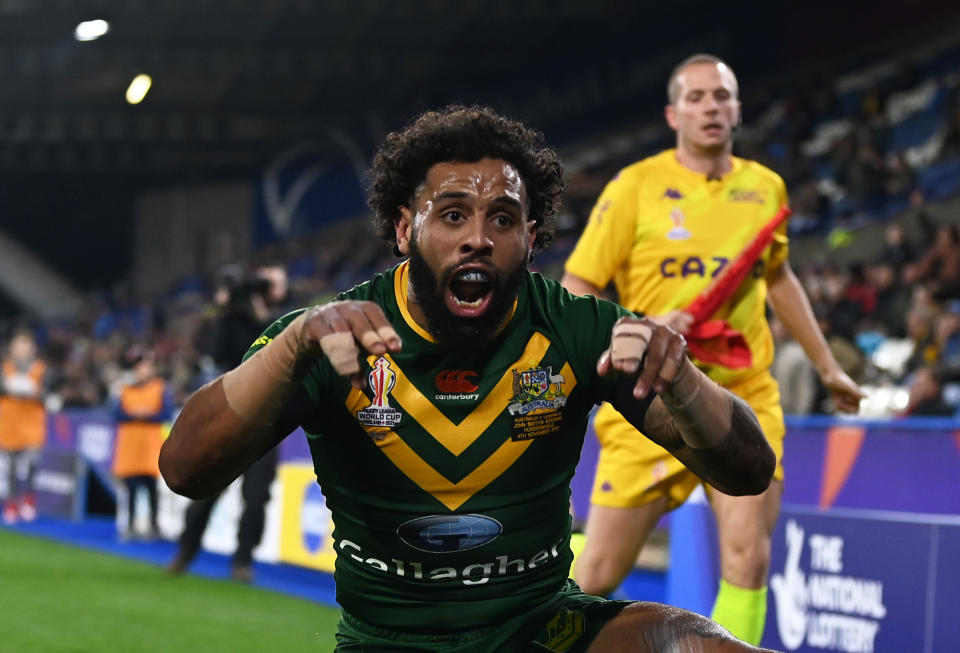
[463, 134]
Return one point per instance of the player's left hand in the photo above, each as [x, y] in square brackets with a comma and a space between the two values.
[679, 321]
[844, 391]
[638, 343]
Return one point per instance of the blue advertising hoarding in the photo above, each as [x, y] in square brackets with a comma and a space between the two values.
[862, 581]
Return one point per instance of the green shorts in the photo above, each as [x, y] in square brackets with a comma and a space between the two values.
[566, 623]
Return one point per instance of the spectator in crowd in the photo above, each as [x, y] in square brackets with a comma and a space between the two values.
[793, 371]
[76, 382]
[863, 174]
[251, 305]
[900, 178]
[939, 267]
[848, 356]
[855, 300]
[926, 397]
[920, 321]
[23, 423]
[897, 250]
[947, 337]
[143, 404]
[951, 136]
[892, 300]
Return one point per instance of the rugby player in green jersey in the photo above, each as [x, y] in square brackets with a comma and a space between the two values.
[445, 403]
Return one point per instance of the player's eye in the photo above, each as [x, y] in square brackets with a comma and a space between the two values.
[453, 215]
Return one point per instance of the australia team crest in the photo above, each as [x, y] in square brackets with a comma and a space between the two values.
[380, 414]
[537, 399]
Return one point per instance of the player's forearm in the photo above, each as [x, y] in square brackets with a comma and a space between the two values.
[210, 445]
[714, 433]
[790, 303]
[230, 423]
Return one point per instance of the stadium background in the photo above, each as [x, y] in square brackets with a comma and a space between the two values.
[116, 222]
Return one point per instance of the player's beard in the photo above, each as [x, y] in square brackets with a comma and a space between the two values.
[451, 330]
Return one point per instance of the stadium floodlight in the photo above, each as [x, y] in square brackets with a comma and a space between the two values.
[138, 88]
[91, 30]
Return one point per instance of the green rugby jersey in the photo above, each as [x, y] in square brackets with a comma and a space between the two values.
[448, 475]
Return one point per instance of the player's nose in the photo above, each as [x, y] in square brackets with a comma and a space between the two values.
[476, 237]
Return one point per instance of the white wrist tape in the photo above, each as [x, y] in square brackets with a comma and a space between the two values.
[257, 388]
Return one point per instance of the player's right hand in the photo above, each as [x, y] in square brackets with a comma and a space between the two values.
[844, 391]
[344, 331]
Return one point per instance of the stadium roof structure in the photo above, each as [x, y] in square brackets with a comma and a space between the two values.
[234, 80]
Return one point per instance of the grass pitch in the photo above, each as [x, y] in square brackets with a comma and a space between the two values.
[58, 598]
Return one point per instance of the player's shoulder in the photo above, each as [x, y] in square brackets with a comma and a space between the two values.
[565, 310]
[543, 289]
[272, 331]
[637, 171]
[379, 285]
[762, 171]
[277, 326]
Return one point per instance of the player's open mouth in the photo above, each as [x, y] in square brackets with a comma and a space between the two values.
[470, 292]
[713, 128]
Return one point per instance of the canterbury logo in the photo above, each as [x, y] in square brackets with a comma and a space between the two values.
[456, 381]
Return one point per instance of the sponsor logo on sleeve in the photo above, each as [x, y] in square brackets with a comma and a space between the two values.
[748, 195]
[563, 631]
[600, 210]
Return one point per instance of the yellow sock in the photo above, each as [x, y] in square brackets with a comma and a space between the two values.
[742, 611]
[577, 542]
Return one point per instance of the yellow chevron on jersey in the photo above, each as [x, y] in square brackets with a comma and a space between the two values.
[456, 437]
[661, 233]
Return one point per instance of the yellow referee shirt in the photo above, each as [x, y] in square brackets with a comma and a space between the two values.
[662, 232]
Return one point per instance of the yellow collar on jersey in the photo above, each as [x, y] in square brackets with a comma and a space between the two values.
[698, 177]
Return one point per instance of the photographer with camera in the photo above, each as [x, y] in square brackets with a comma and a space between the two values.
[249, 305]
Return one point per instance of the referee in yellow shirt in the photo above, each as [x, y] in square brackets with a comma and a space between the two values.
[663, 230]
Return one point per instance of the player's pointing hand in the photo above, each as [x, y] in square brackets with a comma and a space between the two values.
[640, 344]
[345, 331]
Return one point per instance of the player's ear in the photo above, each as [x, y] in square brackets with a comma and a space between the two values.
[670, 113]
[532, 236]
[404, 226]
